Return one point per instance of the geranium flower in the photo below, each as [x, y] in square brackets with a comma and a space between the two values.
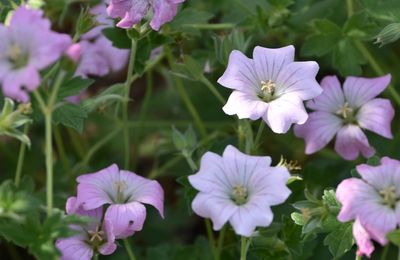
[372, 201]
[27, 45]
[93, 237]
[344, 113]
[125, 192]
[238, 188]
[270, 86]
[132, 11]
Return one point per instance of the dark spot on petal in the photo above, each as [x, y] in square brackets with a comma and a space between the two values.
[130, 222]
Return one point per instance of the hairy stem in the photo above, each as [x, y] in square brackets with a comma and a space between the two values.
[243, 248]
[21, 158]
[129, 250]
[211, 238]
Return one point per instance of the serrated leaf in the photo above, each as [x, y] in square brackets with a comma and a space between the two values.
[118, 37]
[347, 59]
[74, 86]
[189, 191]
[340, 240]
[70, 115]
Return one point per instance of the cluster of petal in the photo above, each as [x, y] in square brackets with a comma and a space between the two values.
[132, 12]
[97, 56]
[238, 188]
[27, 45]
[271, 86]
[125, 192]
[344, 113]
[81, 246]
[373, 202]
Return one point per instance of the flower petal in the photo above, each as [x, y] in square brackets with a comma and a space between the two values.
[298, 78]
[359, 90]
[363, 240]
[318, 130]
[351, 141]
[110, 246]
[245, 105]
[250, 216]
[126, 219]
[332, 97]
[16, 80]
[285, 111]
[74, 248]
[163, 12]
[376, 115]
[269, 62]
[240, 74]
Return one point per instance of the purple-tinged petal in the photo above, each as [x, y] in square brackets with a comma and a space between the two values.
[318, 130]
[73, 206]
[74, 52]
[376, 115]
[351, 141]
[298, 78]
[245, 105]
[74, 248]
[110, 246]
[135, 14]
[23, 16]
[250, 216]
[285, 111]
[360, 90]
[270, 61]
[240, 74]
[332, 97]
[363, 240]
[15, 80]
[163, 11]
[118, 8]
[218, 209]
[126, 219]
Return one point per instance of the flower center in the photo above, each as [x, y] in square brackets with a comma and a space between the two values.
[16, 56]
[96, 237]
[267, 90]
[239, 195]
[346, 113]
[120, 187]
[389, 196]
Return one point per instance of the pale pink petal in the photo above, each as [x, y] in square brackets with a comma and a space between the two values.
[360, 90]
[163, 11]
[73, 206]
[15, 81]
[351, 141]
[376, 115]
[110, 246]
[363, 240]
[285, 111]
[245, 105]
[269, 62]
[74, 248]
[319, 129]
[126, 219]
[332, 97]
[74, 52]
[250, 216]
[118, 8]
[135, 14]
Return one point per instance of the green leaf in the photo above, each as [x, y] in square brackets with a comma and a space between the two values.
[118, 37]
[360, 26]
[70, 115]
[189, 191]
[187, 17]
[340, 240]
[74, 86]
[298, 218]
[347, 59]
[394, 237]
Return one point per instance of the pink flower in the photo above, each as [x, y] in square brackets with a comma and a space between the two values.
[94, 237]
[372, 201]
[238, 188]
[344, 113]
[27, 46]
[125, 192]
[270, 86]
[133, 11]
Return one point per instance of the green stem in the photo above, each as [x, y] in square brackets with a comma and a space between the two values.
[95, 256]
[49, 161]
[61, 149]
[125, 105]
[213, 90]
[211, 238]
[349, 4]
[21, 158]
[129, 250]
[243, 248]
[384, 252]
[221, 239]
[185, 97]
[259, 133]
[358, 257]
[208, 26]
[191, 163]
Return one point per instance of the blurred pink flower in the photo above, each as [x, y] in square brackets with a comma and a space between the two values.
[372, 201]
[271, 86]
[93, 237]
[344, 113]
[125, 192]
[27, 46]
[133, 11]
[238, 188]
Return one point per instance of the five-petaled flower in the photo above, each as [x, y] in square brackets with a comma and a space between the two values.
[271, 86]
[133, 11]
[91, 238]
[238, 188]
[125, 192]
[27, 45]
[373, 201]
[345, 113]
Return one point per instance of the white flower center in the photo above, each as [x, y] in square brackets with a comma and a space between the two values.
[16, 56]
[239, 194]
[96, 237]
[389, 196]
[120, 187]
[267, 90]
[346, 113]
